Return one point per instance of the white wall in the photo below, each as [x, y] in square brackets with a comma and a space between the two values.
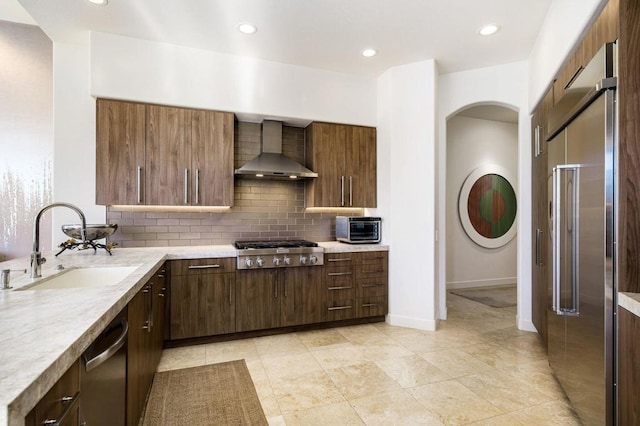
[406, 179]
[471, 143]
[134, 69]
[563, 26]
[504, 85]
[74, 161]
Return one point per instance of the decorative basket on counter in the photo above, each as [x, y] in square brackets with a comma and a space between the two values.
[91, 233]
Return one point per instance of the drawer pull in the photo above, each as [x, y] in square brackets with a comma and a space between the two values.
[204, 266]
[345, 259]
[369, 305]
[372, 285]
[339, 308]
[338, 274]
[66, 400]
[371, 271]
[339, 288]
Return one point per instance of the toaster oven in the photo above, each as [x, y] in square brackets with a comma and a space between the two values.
[358, 229]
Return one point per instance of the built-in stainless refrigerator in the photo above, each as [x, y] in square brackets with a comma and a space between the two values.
[582, 190]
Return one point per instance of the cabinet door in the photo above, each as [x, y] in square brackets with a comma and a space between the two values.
[139, 371]
[168, 155]
[360, 167]
[325, 152]
[202, 305]
[301, 295]
[257, 294]
[120, 152]
[212, 165]
[158, 313]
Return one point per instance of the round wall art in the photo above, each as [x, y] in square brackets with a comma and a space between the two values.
[487, 206]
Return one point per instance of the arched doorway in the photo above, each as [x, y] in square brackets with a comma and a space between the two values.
[481, 204]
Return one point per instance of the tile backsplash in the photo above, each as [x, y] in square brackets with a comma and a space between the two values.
[263, 209]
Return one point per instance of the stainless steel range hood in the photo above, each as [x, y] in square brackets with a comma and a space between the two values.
[271, 163]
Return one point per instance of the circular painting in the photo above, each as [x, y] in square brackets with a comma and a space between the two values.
[487, 207]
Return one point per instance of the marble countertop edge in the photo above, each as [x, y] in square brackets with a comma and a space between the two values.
[630, 301]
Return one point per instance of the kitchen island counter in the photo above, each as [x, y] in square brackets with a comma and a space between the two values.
[42, 332]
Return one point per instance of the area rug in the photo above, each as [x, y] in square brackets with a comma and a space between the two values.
[496, 297]
[216, 394]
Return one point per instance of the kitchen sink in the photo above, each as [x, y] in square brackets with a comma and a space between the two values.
[91, 277]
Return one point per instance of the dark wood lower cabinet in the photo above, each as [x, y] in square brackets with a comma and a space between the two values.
[144, 343]
[628, 368]
[60, 405]
[257, 296]
[301, 296]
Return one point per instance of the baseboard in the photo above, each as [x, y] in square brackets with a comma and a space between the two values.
[417, 323]
[492, 282]
[526, 325]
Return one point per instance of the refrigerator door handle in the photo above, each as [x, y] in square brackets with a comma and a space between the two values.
[572, 198]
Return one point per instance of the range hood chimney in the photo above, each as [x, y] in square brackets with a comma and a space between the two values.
[271, 164]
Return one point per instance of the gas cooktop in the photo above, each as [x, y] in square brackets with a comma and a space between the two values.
[278, 254]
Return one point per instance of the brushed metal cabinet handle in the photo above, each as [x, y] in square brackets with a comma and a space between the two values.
[337, 274]
[342, 191]
[339, 308]
[345, 259]
[71, 401]
[212, 266]
[197, 186]
[139, 184]
[339, 288]
[350, 191]
[369, 305]
[186, 186]
[372, 285]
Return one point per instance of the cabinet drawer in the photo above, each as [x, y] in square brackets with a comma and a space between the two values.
[372, 287]
[339, 309]
[61, 402]
[339, 259]
[371, 306]
[372, 264]
[202, 266]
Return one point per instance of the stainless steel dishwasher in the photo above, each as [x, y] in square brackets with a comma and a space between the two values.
[103, 376]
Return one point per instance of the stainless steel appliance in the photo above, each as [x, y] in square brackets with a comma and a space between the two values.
[278, 254]
[103, 376]
[582, 293]
[358, 230]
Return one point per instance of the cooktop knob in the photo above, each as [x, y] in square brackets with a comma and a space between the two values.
[287, 260]
[276, 260]
[248, 262]
[313, 259]
[260, 261]
[303, 260]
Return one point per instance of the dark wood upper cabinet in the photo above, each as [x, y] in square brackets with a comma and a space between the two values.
[344, 157]
[120, 152]
[168, 151]
[159, 155]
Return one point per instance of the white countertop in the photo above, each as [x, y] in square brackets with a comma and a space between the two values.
[42, 332]
[630, 301]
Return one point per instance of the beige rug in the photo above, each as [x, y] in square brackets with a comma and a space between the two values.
[496, 297]
[216, 394]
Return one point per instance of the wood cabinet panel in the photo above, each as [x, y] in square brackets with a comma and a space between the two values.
[63, 397]
[202, 305]
[344, 157]
[168, 152]
[212, 158]
[372, 306]
[301, 295]
[199, 266]
[138, 363]
[257, 293]
[628, 368]
[120, 152]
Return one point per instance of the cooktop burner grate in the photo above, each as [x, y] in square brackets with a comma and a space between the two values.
[262, 244]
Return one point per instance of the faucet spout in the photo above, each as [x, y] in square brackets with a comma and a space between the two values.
[36, 257]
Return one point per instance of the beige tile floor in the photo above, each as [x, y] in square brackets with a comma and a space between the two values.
[478, 368]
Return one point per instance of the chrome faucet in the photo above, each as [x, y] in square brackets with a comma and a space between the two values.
[36, 257]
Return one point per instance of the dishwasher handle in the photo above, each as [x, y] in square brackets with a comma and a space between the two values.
[99, 359]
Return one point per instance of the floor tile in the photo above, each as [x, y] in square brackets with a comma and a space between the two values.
[341, 414]
[339, 355]
[281, 365]
[455, 362]
[305, 391]
[280, 343]
[321, 338]
[358, 380]
[412, 371]
[453, 403]
[229, 351]
[393, 408]
[188, 356]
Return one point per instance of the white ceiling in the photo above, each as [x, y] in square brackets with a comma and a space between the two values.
[325, 34]
[491, 112]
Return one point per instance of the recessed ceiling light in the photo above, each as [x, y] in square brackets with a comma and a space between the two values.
[246, 28]
[99, 2]
[367, 53]
[488, 29]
